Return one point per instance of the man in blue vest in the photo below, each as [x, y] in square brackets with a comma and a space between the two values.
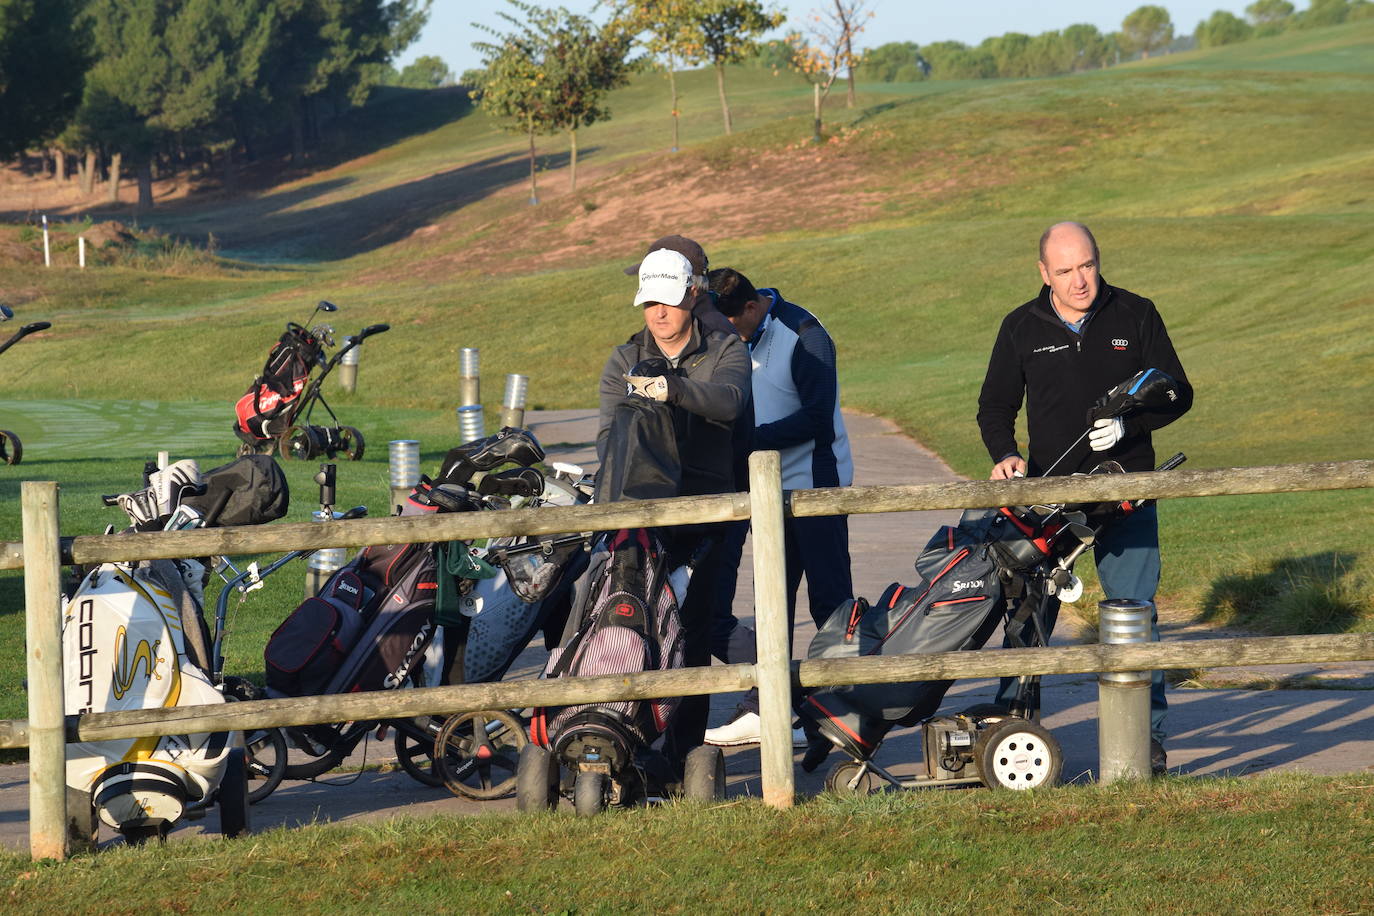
[796, 408]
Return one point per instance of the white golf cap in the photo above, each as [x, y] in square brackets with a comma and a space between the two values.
[663, 277]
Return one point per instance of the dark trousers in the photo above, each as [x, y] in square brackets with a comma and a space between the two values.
[687, 728]
[1127, 556]
[817, 548]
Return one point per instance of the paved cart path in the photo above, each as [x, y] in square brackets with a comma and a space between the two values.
[1211, 731]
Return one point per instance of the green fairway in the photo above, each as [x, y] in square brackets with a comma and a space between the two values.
[1235, 187]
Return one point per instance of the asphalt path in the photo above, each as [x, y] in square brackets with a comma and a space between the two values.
[1212, 732]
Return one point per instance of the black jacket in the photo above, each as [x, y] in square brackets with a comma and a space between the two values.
[708, 392]
[1061, 375]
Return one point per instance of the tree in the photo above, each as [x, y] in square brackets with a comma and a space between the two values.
[43, 57]
[1268, 12]
[514, 87]
[1087, 45]
[845, 19]
[672, 37]
[1322, 13]
[726, 32]
[1222, 28]
[953, 60]
[894, 62]
[1147, 29]
[427, 72]
[582, 62]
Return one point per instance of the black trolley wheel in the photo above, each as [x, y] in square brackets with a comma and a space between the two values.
[703, 775]
[232, 797]
[477, 754]
[415, 753]
[352, 443]
[844, 780]
[589, 793]
[536, 780]
[11, 449]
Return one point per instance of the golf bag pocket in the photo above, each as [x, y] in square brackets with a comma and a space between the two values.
[310, 646]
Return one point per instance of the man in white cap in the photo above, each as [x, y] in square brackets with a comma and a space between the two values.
[704, 376]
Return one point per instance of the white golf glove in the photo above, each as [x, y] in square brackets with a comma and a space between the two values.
[1106, 433]
[653, 387]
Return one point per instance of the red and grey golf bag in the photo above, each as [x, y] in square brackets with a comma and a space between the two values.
[280, 384]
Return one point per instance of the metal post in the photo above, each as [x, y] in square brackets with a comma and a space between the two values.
[470, 423]
[469, 380]
[773, 668]
[1123, 698]
[348, 367]
[324, 562]
[513, 403]
[404, 457]
[43, 630]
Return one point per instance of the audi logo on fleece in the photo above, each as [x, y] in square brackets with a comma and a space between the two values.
[1120, 343]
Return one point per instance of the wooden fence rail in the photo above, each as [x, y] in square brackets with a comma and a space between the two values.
[42, 551]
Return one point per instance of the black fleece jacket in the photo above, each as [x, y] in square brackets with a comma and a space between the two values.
[1061, 375]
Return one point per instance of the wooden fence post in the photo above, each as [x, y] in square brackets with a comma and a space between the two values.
[774, 667]
[43, 627]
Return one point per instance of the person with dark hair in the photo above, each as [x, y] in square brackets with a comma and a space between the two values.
[796, 411]
[1059, 352]
[703, 375]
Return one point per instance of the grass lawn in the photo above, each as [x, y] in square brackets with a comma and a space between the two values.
[1232, 187]
[1171, 846]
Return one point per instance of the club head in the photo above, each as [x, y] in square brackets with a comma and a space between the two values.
[6, 313]
[326, 306]
[1148, 388]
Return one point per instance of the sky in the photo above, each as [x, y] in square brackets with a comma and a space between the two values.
[449, 34]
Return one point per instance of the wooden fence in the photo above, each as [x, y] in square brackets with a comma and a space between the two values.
[42, 552]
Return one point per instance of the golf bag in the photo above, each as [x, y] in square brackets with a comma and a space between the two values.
[128, 640]
[955, 606]
[625, 621]
[283, 378]
[134, 637]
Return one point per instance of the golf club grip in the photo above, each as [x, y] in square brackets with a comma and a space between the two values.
[35, 327]
[1173, 462]
[373, 329]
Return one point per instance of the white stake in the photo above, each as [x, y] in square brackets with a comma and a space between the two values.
[81, 251]
[47, 249]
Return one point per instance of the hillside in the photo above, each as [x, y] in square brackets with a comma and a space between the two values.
[1232, 186]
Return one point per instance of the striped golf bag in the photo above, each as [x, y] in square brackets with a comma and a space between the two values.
[625, 620]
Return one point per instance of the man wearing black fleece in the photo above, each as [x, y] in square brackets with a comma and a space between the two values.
[1060, 352]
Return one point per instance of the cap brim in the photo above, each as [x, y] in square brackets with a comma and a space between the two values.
[661, 291]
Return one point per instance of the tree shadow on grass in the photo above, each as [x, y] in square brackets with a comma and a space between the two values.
[1294, 595]
[277, 226]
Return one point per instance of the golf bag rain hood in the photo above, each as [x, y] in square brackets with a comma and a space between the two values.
[641, 460]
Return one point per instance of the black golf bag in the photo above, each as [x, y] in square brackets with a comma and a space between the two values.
[283, 378]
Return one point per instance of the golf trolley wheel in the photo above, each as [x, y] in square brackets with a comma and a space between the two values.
[589, 793]
[536, 780]
[703, 775]
[232, 798]
[416, 755]
[11, 449]
[477, 754]
[315, 765]
[266, 762]
[1018, 754]
[844, 779]
[300, 443]
[351, 442]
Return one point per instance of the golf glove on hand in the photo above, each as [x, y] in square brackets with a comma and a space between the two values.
[1106, 433]
[653, 387]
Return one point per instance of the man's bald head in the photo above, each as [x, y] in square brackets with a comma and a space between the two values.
[1059, 230]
